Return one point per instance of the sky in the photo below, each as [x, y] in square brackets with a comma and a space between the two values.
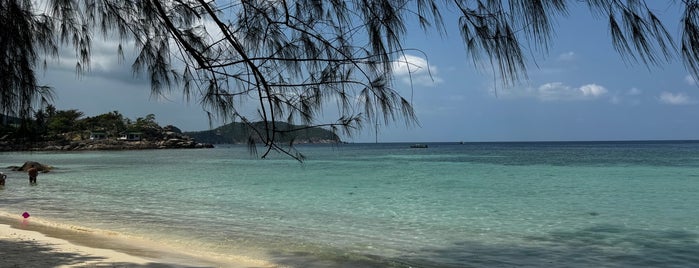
[581, 89]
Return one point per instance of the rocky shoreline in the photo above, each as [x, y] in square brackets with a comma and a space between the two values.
[98, 145]
[101, 145]
[168, 140]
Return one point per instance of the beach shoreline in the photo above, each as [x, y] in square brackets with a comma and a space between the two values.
[36, 243]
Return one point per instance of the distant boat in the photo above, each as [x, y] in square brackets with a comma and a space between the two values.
[418, 145]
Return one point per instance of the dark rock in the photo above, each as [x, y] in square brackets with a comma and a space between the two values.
[31, 164]
[203, 145]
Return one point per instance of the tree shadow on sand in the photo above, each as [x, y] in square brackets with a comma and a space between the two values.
[598, 246]
[33, 254]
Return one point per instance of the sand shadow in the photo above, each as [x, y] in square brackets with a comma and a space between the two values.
[34, 254]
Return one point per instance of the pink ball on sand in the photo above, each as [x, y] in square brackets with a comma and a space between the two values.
[25, 215]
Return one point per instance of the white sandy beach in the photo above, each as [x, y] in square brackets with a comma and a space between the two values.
[28, 244]
[22, 248]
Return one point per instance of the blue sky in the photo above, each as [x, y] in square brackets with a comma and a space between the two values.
[580, 90]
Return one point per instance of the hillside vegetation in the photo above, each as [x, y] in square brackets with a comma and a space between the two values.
[52, 129]
[236, 133]
[68, 130]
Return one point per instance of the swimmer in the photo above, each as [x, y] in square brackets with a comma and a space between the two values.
[33, 173]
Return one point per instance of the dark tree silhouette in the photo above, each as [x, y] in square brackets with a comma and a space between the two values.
[293, 59]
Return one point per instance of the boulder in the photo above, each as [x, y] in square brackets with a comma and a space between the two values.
[31, 164]
[203, 145]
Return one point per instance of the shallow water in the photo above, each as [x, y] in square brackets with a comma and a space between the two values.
[356, 205]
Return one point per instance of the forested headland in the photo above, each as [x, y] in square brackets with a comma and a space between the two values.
[52, 129]
[237, 132]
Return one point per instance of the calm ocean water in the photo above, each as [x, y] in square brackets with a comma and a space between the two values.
[614, 204]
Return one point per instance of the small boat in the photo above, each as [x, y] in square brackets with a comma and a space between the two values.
[418, 145]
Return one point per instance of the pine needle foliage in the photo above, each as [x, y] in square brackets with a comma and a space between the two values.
[295, 60]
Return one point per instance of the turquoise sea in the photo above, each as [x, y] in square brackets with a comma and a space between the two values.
[559, 204]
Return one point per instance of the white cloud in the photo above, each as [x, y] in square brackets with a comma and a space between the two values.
[675, 98]
[629, 97]
[416, 70]
[593, 90]
[689, 79]
[559, 91]
[552, 91]
[567, 56]
[633, 92]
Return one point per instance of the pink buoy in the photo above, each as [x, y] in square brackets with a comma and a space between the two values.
[25, 215]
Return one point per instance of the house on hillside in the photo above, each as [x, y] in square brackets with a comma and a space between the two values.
[98, 135]
[130, 136]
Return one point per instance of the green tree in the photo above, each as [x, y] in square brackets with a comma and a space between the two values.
[113, 123]
[148, 126]
[147, 122]
[40, 126]
[64, 122]
[294, 58]
[50, 110]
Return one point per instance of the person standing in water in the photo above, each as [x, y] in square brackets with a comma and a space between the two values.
[2, 179]
[33, 173]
